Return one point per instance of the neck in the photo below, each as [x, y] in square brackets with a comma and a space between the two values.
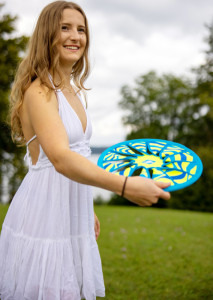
[66, 76]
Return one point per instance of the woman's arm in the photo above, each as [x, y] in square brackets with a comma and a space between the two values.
[51, 134]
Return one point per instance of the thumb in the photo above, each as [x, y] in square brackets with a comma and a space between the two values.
[162, 185]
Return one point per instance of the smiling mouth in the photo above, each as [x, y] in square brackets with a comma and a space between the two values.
[72, 47]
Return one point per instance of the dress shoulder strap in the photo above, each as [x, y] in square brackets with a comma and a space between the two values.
[51, 80]
[82, 96]
[32, 139]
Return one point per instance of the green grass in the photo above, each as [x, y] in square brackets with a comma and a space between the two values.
[3, 211]
[155, 254]
[152, 254]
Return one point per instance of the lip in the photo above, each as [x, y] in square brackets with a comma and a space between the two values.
[68, 47]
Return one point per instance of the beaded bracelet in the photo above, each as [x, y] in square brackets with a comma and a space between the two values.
[123, 189]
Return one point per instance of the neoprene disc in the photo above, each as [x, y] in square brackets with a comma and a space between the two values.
[157, 159]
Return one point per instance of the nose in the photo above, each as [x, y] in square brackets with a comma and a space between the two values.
[74, 34]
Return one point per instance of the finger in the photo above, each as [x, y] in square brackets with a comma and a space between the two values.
[96, 232]
[162, 185]
[165, 195]
[98, 228]
[144, 203]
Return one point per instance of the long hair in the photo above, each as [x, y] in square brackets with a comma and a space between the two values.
[42, 55]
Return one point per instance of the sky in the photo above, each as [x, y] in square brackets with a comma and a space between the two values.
[128, 39]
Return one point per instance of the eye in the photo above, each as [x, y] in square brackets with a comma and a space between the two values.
[64, 28]
[81, 29]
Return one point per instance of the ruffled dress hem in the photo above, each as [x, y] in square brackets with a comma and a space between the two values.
[45, 269]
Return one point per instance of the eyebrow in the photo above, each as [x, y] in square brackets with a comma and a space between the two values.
[68, 24]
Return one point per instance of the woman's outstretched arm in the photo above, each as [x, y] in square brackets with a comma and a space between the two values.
[41, 112]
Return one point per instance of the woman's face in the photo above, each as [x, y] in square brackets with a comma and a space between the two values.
[73, 37]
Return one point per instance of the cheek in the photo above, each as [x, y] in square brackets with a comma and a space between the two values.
[63, 37]
[84, 41]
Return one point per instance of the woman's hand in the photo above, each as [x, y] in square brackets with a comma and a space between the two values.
[40, 114]
[144, 191]
[97, 227]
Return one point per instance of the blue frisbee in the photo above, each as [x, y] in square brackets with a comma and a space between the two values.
[157, 159]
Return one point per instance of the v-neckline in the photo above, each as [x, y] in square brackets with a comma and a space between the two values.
[59, 90]
[83, 130]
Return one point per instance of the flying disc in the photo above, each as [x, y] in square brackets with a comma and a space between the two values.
[157, 159]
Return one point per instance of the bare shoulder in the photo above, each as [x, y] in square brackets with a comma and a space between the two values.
[36, 89]
[37, 92]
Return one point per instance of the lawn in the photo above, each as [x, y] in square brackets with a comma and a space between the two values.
[155, 254]
[3, 211]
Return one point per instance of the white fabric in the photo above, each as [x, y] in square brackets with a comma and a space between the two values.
[48, 249]
[32, 139]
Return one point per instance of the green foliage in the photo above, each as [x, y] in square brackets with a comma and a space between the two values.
[173, 108]
[199, 195]
[3, 211]
[161, 107]
[118, 200]
[204, 87]
[11, 49]
[98, 200]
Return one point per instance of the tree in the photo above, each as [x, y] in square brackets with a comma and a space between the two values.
[199, 195]
[11, 48]
[162, 107]
[204, 86]
[173, 108]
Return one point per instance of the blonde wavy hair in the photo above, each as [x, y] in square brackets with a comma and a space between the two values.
[42, 55]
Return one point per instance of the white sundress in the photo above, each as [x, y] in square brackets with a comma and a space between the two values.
[48, 249]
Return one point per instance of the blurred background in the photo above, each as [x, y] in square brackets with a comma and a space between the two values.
[152, 77]
[152, 70]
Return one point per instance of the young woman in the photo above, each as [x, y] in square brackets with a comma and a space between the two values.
[48, 248]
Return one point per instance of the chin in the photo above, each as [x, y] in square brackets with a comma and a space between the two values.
[68, 62]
